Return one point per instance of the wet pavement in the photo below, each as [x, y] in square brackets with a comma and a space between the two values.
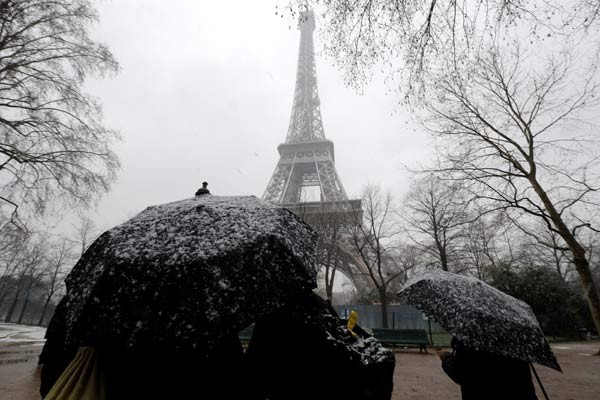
[420, 376]
[19, 375]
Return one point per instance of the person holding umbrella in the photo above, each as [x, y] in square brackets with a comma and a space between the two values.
[161, 298]
[153, 309]
[484, 375]
[497, 337]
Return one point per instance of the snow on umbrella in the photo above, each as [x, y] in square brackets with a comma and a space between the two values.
[480, 316]
[185, 274]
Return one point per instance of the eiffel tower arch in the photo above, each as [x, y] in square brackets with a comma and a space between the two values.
[307, 160]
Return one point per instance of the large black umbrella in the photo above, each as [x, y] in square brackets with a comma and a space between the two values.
[481, 317]
[186, 274]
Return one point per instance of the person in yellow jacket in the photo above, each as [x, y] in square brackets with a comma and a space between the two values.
[352, 321]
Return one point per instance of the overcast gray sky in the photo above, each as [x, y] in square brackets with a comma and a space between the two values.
[205, 93]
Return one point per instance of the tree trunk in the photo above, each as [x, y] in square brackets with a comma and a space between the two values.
[329, 281]
[384, 306]
[582, 266]
[332, 272]
[443, 257]
[3, 294]
[329, 291]
[589, 287]
[13, 306]
[440, 247]
[41, 320]
[25, 304]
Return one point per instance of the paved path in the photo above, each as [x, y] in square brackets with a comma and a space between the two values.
[420, 376]
[416, 377]
[19, 376]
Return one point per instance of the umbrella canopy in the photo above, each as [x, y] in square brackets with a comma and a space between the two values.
[188, 273]
[481, 317]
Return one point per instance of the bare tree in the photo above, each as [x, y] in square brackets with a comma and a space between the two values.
[373, 238]
[26, 276]
[548, 247]
[435, 213]
[13, 244]
[53, 145]
[329, 254]
[511, 139]
[34, 267]
[406, 258]
[406, 37]
[488, 242]
[60, 257]
[329, 224]
[85, 232]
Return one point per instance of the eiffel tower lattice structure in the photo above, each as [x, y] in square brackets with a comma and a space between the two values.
[307, 159]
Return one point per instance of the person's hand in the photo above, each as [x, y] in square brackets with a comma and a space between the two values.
[443, 354]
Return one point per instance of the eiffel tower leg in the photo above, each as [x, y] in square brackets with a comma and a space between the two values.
[293, 190]
[277, 184]
[331, 185]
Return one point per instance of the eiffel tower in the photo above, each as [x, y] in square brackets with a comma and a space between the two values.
[307, 158]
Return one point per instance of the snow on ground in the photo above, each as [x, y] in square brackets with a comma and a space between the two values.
[21, 333]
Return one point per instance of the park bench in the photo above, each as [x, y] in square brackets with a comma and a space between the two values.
[402, 337]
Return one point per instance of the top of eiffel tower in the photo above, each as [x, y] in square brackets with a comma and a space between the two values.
[305, 123]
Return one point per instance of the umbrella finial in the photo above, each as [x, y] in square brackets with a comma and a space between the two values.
[203, 189]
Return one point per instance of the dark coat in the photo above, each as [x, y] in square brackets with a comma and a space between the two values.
[488, 376]
[165, 373]
[296, 353]
[150, 372]
[54, 357]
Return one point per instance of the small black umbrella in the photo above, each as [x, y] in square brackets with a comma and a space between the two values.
[480, 316]
[186, 274]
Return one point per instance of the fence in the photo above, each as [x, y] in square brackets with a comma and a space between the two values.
[400, 316]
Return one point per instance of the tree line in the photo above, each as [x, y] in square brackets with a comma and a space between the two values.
[380, 246]
[56, 154]
[33, 267]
